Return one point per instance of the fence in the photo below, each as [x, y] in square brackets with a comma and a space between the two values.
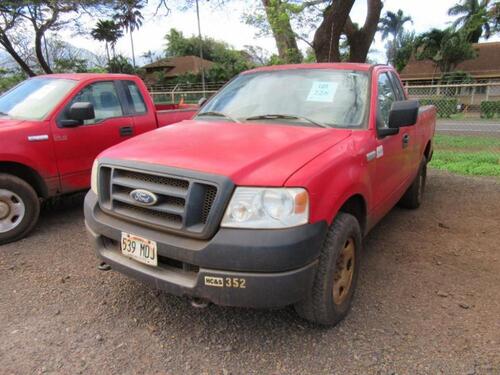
[188, 92]
[458, 102]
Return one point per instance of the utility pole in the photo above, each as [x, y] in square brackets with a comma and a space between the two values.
[201, 49]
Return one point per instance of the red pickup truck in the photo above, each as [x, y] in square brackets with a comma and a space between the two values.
[53, 127]
[262, 200]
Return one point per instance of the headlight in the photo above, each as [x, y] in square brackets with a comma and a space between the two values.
[93, 177]
[267, 208]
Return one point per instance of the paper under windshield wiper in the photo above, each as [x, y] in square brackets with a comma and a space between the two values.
[218, 114]
[286, 117]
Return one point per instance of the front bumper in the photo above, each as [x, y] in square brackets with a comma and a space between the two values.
[236, 267]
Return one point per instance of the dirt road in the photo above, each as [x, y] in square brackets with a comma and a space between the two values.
[428, 302]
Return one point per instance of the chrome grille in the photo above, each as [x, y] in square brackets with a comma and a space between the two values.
[185, 205]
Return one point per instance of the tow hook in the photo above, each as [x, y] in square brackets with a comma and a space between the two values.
[104, 266]
[199, 303]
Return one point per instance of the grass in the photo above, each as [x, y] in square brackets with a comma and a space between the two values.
[467, 155]
[468, 117]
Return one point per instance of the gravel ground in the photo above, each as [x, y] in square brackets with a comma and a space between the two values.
[427, 303]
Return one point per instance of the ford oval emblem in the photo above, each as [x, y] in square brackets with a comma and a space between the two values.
[144, 197]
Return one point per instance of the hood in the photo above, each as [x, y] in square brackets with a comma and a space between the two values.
[6, 122]
[249, 154]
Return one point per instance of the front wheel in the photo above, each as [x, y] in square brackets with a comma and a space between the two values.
[333, 288]
[19, 208]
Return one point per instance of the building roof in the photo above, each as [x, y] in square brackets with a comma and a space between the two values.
[179, 65]
[485, 65]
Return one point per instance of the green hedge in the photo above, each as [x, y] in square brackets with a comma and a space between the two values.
[489, 109]
[445, 107]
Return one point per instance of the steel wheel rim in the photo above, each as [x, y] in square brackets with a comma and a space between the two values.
[344, 272]
[12, 210]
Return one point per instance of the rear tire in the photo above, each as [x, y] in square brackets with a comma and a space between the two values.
[19, 208]
[413, 197]
[330, 299]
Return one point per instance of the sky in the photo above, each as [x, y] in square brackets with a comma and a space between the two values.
[226, 24]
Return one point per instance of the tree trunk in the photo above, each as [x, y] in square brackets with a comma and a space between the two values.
[7, 45]
[327, 37]
[107, 53]
[282, 31]
[39, 53]
[360, 40]
[132, 44]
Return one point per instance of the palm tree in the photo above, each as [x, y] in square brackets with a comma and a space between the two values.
[109, 32]
[475, 17]
[129, 16]
[392, 24]
[445, 48]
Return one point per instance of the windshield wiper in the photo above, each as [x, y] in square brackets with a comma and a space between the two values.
[286, 117]
[217, 114]
[3, 113]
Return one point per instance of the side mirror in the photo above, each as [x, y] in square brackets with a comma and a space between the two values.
[78, 113]
[403, 113]
[202, 101]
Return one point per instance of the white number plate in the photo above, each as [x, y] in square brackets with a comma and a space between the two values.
[140, 249]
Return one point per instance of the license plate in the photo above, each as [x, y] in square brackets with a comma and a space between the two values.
[140, 249]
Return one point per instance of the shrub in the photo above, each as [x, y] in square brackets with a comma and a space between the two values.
[445, 107]
[490, 108]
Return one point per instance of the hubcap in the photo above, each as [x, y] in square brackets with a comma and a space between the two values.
[344, 272]
[12, 210]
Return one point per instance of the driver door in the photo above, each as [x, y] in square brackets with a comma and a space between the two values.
[77, 147]
[392, 156]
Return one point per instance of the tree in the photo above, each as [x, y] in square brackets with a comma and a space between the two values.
[228, 61]
[39, 17]
[150, 56]
[476, 18]
[392, 24]
[109, 32]
[405, 46]
[120, 64]
[446, 48]
[334, 21]
[129, 16]
[279, 21]
[10, 13]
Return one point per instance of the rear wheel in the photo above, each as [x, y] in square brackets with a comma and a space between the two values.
[333, 288]
[414, 195]
[19, 208]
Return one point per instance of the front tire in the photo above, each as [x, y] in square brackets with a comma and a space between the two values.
[330, 299]
[19, 208]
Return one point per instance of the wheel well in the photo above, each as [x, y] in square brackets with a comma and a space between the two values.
[427, 150]
[356, 206]
[27, 174]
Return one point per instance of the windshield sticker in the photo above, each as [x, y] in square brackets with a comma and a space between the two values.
[322, 92]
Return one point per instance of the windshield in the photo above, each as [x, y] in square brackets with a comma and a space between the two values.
[336, 98]
[35, 98]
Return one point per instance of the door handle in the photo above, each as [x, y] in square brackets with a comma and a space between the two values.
[406, 140]
[126, 131]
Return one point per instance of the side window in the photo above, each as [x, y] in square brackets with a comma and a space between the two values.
[399, 89]
[104, 97]
[134, 97]
[386, 96]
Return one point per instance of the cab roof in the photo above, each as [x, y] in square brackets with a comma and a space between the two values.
[86, 76]
[334, 66]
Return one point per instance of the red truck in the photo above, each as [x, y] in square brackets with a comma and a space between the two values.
[53, 127]
[263, 199]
